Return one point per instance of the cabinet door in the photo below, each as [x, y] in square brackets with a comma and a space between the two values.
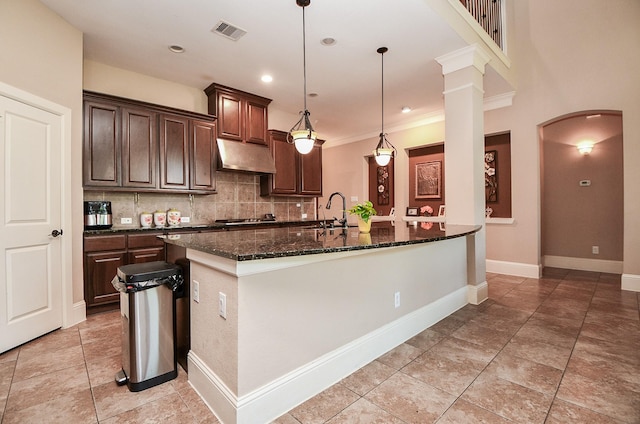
[174, 152]
[231, 115]
[311, 172]
[101, 150]
[99, 269]
[203, 156]
[285, 180]
[256, 125]
[152, 254]
[139, 158]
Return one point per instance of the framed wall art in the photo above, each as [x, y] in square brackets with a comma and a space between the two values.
[429, 180]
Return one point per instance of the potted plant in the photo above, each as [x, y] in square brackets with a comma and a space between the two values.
[364, 212]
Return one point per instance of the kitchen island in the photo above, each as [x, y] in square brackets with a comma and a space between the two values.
[281, 314]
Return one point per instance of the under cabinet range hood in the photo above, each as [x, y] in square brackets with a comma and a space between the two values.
[247, 157]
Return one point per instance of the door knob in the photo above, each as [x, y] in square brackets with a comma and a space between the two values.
[56, 233]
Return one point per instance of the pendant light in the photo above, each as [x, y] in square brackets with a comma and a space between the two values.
[302, 133]
[384, 150]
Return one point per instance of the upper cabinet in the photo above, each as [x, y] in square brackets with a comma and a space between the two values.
[296, 174]
[136, 146]
[241, 116]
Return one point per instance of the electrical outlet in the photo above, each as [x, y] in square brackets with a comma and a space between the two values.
[595, 250]
[126, 221]
[304, 216]
[196, 291]
[185, 219]
[396, 299]
[222, 305]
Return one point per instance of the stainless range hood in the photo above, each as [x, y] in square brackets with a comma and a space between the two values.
[246, 157]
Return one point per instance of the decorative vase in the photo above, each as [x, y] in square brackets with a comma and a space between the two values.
[364, 227]
[364, 238]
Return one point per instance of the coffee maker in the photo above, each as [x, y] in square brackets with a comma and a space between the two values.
[97, 215]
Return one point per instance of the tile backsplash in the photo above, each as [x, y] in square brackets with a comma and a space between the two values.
[238, 196]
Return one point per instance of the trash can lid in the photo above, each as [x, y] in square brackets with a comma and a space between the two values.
[146, 271]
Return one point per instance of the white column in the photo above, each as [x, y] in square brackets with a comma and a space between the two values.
[463, 72]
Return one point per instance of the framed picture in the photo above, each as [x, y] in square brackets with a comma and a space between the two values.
[412, 211]
[429, 180]
[441, 210]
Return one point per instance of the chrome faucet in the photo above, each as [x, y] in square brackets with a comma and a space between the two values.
[343, 221]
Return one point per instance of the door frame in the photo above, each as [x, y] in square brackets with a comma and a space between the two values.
[70, 315]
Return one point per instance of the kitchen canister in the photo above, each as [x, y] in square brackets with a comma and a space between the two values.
[159, 218]
[146, 219]
[173, 217]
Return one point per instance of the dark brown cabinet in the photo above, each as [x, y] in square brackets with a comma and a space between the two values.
[296, 174]
[241, 116]
[102, 257]
[136, 146]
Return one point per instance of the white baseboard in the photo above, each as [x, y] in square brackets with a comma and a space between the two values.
[276, 398]
[583, 264]
[631, 282]
[477, 294]
[514, 268]
[77, 314]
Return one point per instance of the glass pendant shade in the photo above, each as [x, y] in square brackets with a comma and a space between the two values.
[383, 156]
[304, 140]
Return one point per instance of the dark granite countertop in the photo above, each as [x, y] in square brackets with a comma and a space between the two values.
[252, 244]
[195, 228]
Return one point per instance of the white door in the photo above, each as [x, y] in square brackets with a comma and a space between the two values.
[30, 210]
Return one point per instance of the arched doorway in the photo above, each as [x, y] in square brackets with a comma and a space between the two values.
[582, 193]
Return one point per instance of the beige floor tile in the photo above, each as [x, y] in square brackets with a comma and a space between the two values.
[285, 419]
[40, 389]
[57, 340]
[196, 405]
[443, 373]
[564, 412]
[447, 325]
[68, 407]
[112, 400]
[547, 331]
[515, 300]
[169, 409]
[509, 400]
[477, 333]
[102, 348]
[426, 339]
[465, 412]
[532, 375]
[596, 368]
[48, 361]
[9, 356]
[325, 405]
[538, 351]
[411, 400]
[612, 351]
[400, 356]
[497, 289]
[368, 377]
[605, 397]
[460, 351]
[611, 328]
[364, 412]
[103, 370]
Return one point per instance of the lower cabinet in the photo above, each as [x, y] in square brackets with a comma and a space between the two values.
[102, 257]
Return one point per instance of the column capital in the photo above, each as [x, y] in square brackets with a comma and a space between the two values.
[468, 56]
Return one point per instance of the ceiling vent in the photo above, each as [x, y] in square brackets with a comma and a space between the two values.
[227, 30]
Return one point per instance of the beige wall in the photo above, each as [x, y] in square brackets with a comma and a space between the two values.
[569, 57]
[42, 55]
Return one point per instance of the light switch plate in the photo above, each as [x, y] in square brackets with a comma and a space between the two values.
[126, 221]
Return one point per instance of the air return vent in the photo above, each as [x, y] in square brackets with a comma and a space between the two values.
[227, 30]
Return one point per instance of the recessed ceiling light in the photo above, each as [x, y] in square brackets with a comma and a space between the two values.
[266, 78]
[406, 109]
[594, 116]
[312, 94]
[328, 41]
[176, 48]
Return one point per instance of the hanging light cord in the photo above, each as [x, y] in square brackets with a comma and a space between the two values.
[382, 51]
[304, 58]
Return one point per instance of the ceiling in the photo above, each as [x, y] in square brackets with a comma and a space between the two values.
[135, 35]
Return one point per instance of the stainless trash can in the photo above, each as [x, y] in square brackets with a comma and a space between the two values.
[148, 332]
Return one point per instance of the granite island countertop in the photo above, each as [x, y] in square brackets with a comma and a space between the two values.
[265, 243]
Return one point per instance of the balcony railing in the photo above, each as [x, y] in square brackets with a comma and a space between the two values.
[488, 13]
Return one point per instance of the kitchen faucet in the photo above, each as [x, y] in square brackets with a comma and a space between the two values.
[343, 221]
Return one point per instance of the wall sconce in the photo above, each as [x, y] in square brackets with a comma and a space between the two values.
[585, 147]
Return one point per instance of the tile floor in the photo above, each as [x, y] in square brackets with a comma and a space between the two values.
[561, 349]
